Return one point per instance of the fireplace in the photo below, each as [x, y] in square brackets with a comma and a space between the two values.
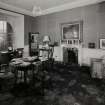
[70, 55]
[71, 51]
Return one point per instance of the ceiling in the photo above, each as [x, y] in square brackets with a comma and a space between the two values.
[42, 7]
[28, 4]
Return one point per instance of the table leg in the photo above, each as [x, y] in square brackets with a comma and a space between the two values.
[25, 76]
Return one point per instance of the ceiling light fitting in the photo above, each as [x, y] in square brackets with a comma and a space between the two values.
[36, 11]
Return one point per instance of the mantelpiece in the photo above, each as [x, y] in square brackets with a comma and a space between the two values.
[84, 54]
[70, 41]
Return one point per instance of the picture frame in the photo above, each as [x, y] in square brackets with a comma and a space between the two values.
[102, 43]
[72, 30]
[91, 45]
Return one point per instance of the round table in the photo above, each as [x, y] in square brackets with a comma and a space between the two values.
[22, 66]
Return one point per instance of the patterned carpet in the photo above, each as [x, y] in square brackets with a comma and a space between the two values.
[64, 85]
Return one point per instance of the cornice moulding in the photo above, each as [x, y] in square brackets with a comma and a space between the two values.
[11, 8]
[70, 6]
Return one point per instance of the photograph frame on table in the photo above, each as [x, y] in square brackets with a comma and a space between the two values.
[102, 43]
[72, 30]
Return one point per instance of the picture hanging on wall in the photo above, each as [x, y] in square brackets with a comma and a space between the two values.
[102, 43]
[91, 45]
[72, 30]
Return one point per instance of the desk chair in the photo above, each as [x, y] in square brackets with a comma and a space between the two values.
[45, 53]
[47, 66]
[5, 74]
[4, 61]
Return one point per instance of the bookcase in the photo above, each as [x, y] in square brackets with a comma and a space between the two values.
[33, 44]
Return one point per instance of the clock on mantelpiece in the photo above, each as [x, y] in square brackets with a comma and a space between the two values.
[33, 44]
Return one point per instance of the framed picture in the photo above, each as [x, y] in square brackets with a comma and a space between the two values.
[91, 45]
[102, 43]
[71, 30]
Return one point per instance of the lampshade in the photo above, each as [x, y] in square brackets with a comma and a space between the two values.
[10, 48]
[46, 39]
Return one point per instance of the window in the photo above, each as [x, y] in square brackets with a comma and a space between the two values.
[6, 35]
[3, 26]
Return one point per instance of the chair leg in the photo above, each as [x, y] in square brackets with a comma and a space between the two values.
[16, 76]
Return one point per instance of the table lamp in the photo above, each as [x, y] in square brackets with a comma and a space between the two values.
[46, 41]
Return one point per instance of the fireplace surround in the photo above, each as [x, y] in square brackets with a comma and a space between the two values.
[71, 52]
